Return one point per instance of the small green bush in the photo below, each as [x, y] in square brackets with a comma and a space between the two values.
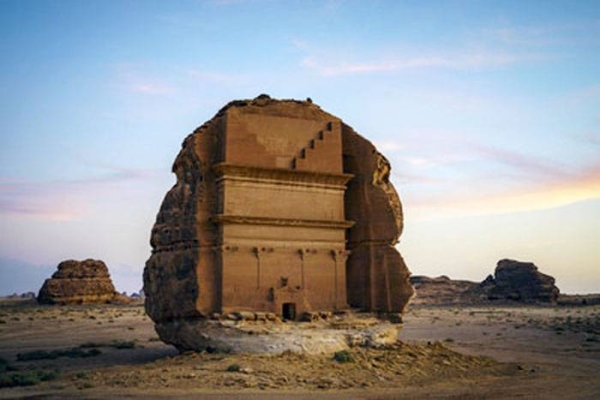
[343, 356]
[89, 345]
[29, 378]
[5, 366]
[234, 368]
[124, 344]
[54, 354]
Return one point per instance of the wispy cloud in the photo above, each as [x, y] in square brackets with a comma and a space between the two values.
[588, 138]
[585, 94]
[528, 166]
[388, 146]
[136, 79]
[580, 33]
[480, 199]
[206, 76]
[152, 88]
[63, 200]
[460, 61]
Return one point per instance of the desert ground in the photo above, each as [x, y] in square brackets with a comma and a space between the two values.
[112, 351]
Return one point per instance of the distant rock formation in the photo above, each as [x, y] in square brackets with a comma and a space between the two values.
[520, 281]
[79, 282]
[22, 296]
[512, 281]
[278, 207]
[442, 290]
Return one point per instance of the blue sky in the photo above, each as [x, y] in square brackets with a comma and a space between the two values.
[488, 111]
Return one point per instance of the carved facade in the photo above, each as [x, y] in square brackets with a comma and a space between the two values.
[271, 199]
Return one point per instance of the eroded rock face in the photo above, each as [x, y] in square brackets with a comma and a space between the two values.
[443, 290]
[520, 281]
[78, 282]
[377, 277]
[279, 207]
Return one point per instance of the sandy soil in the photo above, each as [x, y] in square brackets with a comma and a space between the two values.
[473, 352]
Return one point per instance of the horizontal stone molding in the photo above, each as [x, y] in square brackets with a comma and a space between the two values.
[304, 223]
[280, 176]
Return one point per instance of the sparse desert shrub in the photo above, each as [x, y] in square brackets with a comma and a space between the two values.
[124, 344]
[54, 354]
[90, 345]
[85, 385]
[81, 375]
[5, 366]
[343, 356]
[28, 378]
[233, 368]
[116, 344]
[449, 340]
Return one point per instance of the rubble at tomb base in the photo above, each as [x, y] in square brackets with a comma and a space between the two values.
[79, 282]
[236, 334]
[279, 207]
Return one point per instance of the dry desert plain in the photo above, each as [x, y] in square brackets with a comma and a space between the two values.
[112, 351]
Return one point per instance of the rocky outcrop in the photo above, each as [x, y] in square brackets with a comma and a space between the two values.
[512, 281]
[520, 281]
[79, 282]
[278, 207]
[443, 290]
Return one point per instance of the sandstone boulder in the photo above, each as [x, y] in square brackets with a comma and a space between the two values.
[79, 282]
[520, 281]
[279, 208]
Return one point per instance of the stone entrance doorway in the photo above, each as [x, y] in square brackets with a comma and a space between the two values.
[289, 311]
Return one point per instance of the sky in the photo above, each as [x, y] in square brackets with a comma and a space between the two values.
[489, 112]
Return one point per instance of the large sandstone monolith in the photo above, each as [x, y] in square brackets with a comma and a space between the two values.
[520, 281]
[279, 207]
[79, 282]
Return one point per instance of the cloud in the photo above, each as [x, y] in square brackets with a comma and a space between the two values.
[581, 32]
[136, 79]
[205, 76]
[64, 200]
[528, 166]
[459, 61]
[588, 138]
[388, 146]
[153, 88]
[590, 93]
[477, 200]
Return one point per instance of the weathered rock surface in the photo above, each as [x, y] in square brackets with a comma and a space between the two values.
[279, 207]
[377, 277]
[79, 282]
[512, 281]
[243, 336]
[443, 290]
[520, 281]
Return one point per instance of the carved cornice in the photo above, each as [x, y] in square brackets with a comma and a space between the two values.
[283, 176]
[303, 223]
